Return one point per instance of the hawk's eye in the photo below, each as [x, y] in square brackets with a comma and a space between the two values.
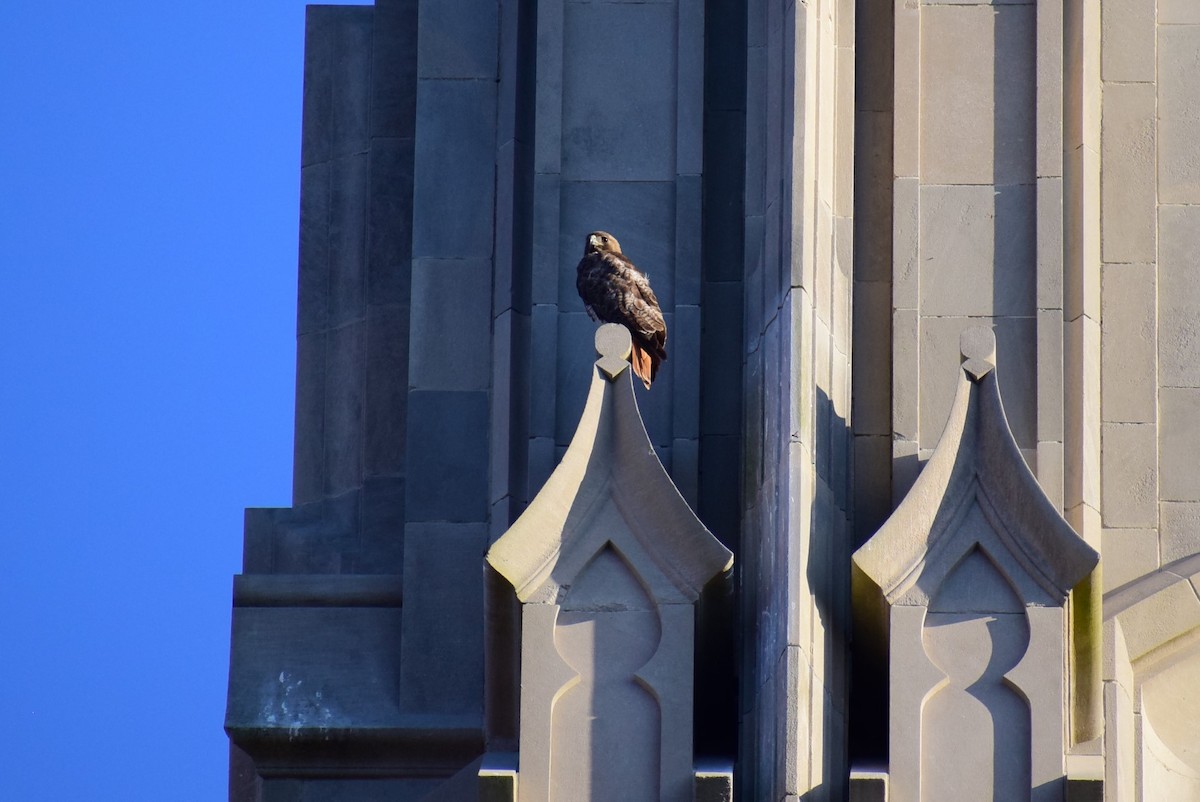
[604, 238]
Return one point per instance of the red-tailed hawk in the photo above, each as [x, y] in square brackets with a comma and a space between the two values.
[615, 291]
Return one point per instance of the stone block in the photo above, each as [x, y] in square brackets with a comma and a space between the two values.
[821, 402]
[543, 370]
[687, 259]
[316, 134]
[843, 131]
[1171, 612]
[1049, 469]
[337, 77]
[756, 133]
[547, 154]
[1178, 444]
[320, 537]
[350, 89]
[457, 39]
[394, 70]
[627, 74]
[840, 322]
[725, 62]
[1178, 113]
[1127, 43]
[719, 485]
[441, 648]
[868, 786]
[906, 374]
[541, 462]
[689, 87]
[840, 440]
[684, 364]
[977, 68]
[978, 250]
[576, 357]
[389, 222]
[1128, 343]
[908, 95]
[906, 243]
[1129, 475]
[344, 399]
[1085, 520]
[1049, 375]
[308, 457]
[1049, 63]
[447, 455]
[722, 236]
[506, 421]
[312, 307]
[1081, 270]
[1176, 12]
[641, 215]
[1081, 436]
[451, 325]
[386, 391]
[1120, 774]
[1016, 360]
[547, 231]
[1179, 531]
[875, 45]
[772, 123]
[381, 526]
[1178, 296]
[313, 667]
[503, 251]
[685, 469]
[872, 484]
[843, 247]
[1128, 191]
[258, 546]
[753, 257]
[721, 395]
[349, 185]
[454, 176]
[1049, 294]
[873, 196]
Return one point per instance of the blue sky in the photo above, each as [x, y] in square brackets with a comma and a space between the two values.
[149, 173]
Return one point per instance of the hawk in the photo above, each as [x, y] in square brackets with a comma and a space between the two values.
[615, 291]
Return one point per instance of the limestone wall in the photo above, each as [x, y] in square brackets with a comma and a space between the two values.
[1150, 386]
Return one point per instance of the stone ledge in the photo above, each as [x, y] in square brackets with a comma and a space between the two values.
[317, 590]
[429, 745]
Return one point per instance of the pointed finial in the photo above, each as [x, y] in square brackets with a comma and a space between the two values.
[613, 344]
[978, 348]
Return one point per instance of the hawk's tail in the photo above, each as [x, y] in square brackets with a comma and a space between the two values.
[645, 364]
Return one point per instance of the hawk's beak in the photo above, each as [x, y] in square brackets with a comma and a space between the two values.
[593, 241]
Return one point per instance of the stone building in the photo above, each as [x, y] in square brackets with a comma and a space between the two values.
[930, 275]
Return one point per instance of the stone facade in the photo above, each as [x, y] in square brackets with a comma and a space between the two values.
[826, 195]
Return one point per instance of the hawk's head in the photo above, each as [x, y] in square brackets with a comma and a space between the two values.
[601, 242]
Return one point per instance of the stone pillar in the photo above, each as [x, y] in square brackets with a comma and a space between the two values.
[449, 371]
[964, 589]
[608, 562]
[797, 453]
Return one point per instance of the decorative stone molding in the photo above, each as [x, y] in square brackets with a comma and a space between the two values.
[1153, 701]
[608, 562]
[963, 591]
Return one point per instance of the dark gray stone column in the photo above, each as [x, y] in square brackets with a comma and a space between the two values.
[449, 373]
